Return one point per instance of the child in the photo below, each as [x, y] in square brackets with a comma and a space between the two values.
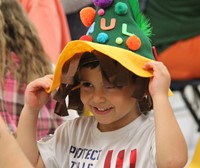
[22, 60]
[117, 86]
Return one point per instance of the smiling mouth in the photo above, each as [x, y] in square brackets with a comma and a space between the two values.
[102, 110]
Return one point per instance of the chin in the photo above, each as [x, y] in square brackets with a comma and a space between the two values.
[104, 121]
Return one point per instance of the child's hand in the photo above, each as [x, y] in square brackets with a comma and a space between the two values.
[160, 82]
[35, 94]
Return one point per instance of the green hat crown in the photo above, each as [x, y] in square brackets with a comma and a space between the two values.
[118, 23]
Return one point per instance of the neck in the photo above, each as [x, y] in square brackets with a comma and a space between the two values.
[115, 125]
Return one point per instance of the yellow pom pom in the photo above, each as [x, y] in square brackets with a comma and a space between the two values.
[119, 40]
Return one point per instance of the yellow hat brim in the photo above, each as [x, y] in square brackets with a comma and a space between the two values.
[130, 60]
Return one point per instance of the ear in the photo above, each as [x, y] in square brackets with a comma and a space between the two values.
[146, 103]
[141, 87]
[142, 94]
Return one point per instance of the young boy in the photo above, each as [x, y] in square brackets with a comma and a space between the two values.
[118, 81]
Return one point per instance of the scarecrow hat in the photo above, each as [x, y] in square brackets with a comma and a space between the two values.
[118, 30]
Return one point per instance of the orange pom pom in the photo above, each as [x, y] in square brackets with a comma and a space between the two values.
[87, 16]
[133, 42]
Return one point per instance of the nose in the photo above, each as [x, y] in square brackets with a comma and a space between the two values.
[98, 96]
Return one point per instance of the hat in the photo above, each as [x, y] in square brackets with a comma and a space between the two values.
[116, 29]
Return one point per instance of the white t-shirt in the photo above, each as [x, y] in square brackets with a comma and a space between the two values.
[79, 144]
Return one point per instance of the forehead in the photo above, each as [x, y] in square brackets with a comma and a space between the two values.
[88, 73]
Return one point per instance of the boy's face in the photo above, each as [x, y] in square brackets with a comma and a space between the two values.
[112, 107]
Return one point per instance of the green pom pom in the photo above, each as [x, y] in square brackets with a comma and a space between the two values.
[121, 8]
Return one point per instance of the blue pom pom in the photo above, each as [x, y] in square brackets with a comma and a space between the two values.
[121, 8]
[102, 3]
[102, 38]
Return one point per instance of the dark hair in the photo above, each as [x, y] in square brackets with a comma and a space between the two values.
[112, 72]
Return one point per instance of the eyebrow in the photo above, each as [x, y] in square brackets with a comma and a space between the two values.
[81, 79]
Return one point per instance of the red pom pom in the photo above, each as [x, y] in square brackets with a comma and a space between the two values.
[87, 16]
[86, 38]
[133, 42]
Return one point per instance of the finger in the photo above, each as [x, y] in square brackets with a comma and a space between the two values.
[40, 83]
[50, 76]
[154, 65]
[149, 65]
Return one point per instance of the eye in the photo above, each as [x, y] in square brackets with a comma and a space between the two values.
[86, 84]
[109, 86]
[112, 87]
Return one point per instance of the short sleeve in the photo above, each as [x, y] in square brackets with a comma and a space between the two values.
[50, 147]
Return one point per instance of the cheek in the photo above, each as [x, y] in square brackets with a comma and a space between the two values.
[84, 96]
[122, 100]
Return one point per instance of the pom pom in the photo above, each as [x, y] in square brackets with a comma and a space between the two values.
[119, 40]
[102, 38]
[102, 3]
[86, 38]
[101, 12]
[121, 8]
[133, 43]
[87, 16]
